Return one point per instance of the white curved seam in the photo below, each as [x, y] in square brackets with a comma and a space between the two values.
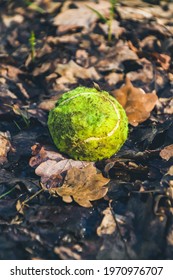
[116, 111]
[79, 94]
[112, 131]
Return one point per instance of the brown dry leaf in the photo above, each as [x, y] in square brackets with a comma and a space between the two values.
[20, 207]
[74, 18]
[12, 72]
[48, 104]
[115, 56]
[84, 185]
[170, 171]
[114, 78]
[132, 9]
[82, 16]
[51, 7]
[165, 106]
[108, 224]
[145, 74]
[117, 30]
[67, 253]
[41, 69]
[71, 71]
[136, 102]
[43, 153]
[5, 146]
[82, 58]
[52, 166]
[163, 59]
[9, 20]
[167, 152]
[102, 6]
[130, 12]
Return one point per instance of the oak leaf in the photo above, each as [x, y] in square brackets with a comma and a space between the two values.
[136, 102]
[84, 185]
[71, 71]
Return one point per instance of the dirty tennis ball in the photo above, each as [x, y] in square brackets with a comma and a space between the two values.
[88, 124]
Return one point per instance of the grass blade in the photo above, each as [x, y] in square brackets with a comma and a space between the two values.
[100, 16]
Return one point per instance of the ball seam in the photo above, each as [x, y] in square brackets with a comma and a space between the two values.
[115, 109]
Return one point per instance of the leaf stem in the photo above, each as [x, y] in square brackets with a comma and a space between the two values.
[31, 197]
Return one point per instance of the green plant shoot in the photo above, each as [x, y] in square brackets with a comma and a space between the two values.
[34, 6]
[32, 42]
[108, 20]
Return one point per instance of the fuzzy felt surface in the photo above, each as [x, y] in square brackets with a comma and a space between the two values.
[88, 124]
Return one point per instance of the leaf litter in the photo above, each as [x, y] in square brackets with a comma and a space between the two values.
[68, 178]
[121, 208]
[136, 102]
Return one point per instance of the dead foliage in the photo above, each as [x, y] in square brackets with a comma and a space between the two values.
[167, 152]
[84, 185]
[122, 207]
[136, 102]
[5, 146]
[108, 224]
[68, 178]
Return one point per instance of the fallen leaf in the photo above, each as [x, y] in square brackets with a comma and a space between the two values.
[102, 6]
[163, 59]
[13, 72]
[81, 17]
[5, 146]
[71, 71]
[114, 57]
[108, 224]
[42, 69]
[145, 74]
[117, 30]
[143, 12]
[82, 58]
[74, 18]
[51, 7]
[114, 78]
[7, 98]
[9, 20]
[167, 152]
[66, 253]
[136, 102]
[20, 207]
[43, 153]
[165, 106]
[84, 185]
[48, 104]
[170, 171]
[52, 166]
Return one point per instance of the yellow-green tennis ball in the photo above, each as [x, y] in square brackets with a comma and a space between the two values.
[88, 124]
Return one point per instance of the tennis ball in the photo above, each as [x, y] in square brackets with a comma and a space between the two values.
[88, 124]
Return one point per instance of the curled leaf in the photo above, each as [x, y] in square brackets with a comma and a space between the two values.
[136, 102]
